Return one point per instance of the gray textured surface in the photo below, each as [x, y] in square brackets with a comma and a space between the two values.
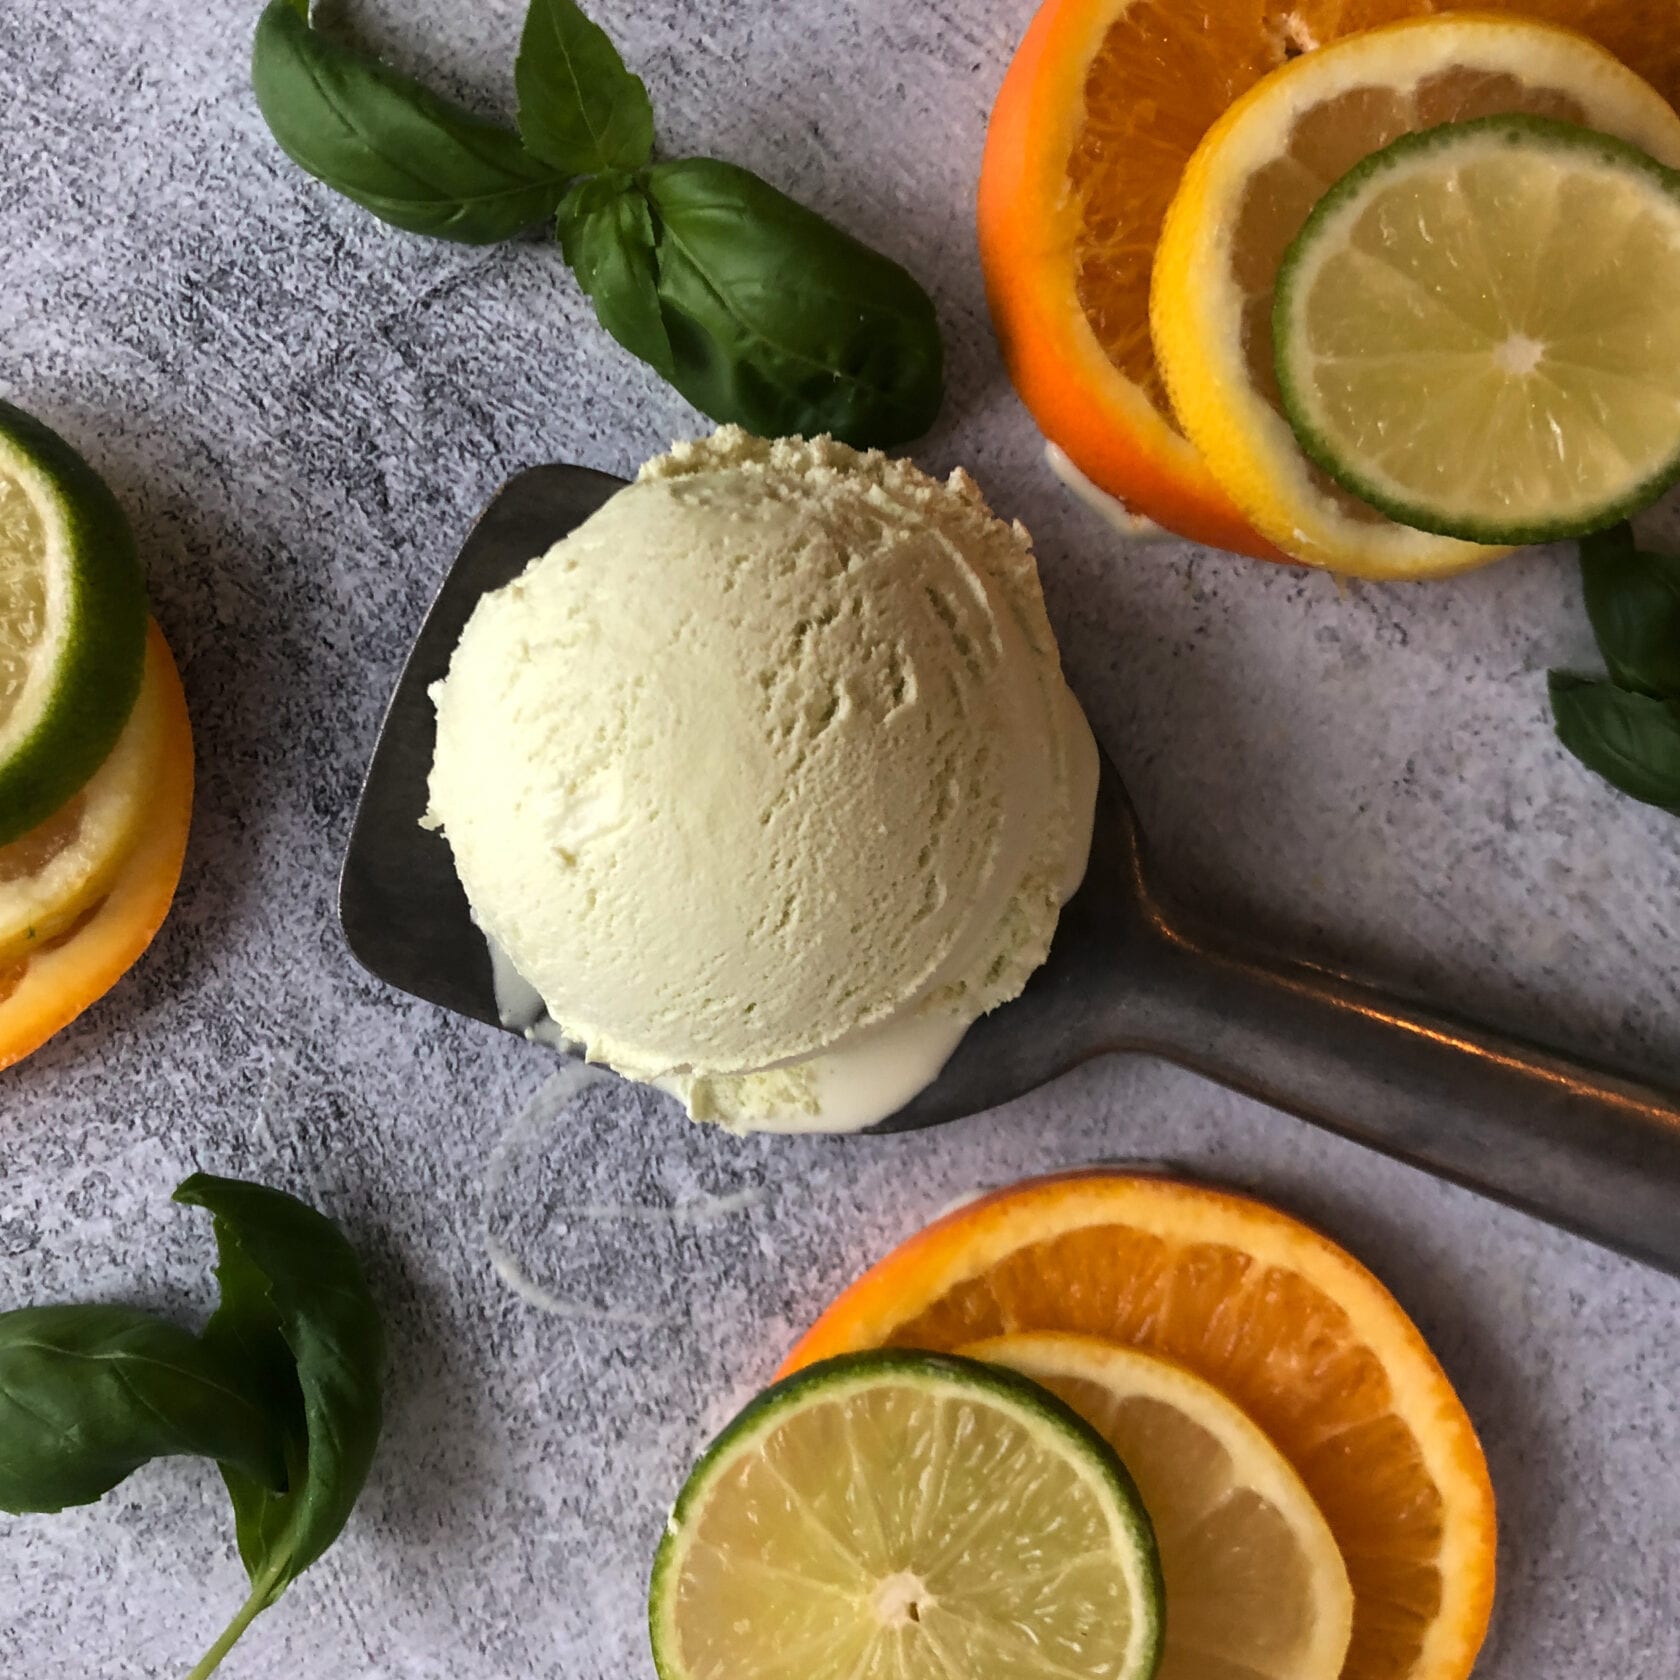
[302, 411]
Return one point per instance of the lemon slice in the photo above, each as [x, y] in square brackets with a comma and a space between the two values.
[72, 622]
[1256, 1588]
[1512, 284]
[62, 866]
[1249, 188]
[902, 1516]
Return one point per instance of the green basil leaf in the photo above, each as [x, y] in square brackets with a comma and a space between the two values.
[606, 235]
[1633, 600]
[90, 1393]
[1631, 740]
[296, 1312]
[380, 138]
[579, 108]
[781, 322]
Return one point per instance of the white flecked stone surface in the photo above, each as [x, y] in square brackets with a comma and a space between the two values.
[302, 411]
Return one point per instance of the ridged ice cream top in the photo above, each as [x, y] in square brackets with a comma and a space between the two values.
[774, 747]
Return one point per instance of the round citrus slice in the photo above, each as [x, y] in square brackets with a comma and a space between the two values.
[1275, 1316]
[1255, 1585]
[1245, 196]
[1100, 112]
[912, 1517]
[1511, 280]
[45, 991]
[50, 875]
[72, 622]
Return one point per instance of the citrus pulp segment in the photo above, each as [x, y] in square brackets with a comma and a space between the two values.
[1250, 187]
[72, 622]
[45, 991]
[907, 1517]
[1275, 1316]
[1255, 1585]
[1513, 281]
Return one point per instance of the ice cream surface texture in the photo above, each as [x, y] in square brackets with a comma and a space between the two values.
[771, 759]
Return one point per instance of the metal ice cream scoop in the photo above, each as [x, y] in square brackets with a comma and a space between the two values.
[1595, 1151]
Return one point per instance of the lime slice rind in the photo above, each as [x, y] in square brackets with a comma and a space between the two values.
[1506, 403]
[917, 1565]
[69, 681]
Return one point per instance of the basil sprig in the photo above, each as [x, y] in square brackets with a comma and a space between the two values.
[754, 307]
[282, 1390]
[1627, 730]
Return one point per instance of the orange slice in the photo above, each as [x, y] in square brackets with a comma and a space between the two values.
[1269, 1312]
[1100, 112]
[48, 989]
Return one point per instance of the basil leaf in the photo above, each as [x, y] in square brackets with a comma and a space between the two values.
[579, 108]
[296, 1312]
[781, 322]
[90, 1393]
[1633, 600]
[606, 235]
[380, 138]
[1631, 740]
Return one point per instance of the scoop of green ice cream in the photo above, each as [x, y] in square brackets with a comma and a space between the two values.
[771, 752]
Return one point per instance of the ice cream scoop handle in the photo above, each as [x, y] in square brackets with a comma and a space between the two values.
[1588, 1149]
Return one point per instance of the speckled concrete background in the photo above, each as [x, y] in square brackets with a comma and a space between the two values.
[303, 411]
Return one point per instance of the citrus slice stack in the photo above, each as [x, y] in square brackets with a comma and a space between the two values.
[1280, 1321]
[1246, 195]
[95, 749]
[1096, 121]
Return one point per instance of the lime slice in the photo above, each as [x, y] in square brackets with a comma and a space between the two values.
[63, 866]
[902, 1516]
[72, 622]
[1256, 1588]
[1478, 330]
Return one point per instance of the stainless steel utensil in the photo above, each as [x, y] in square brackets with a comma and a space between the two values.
[1595, 1151]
